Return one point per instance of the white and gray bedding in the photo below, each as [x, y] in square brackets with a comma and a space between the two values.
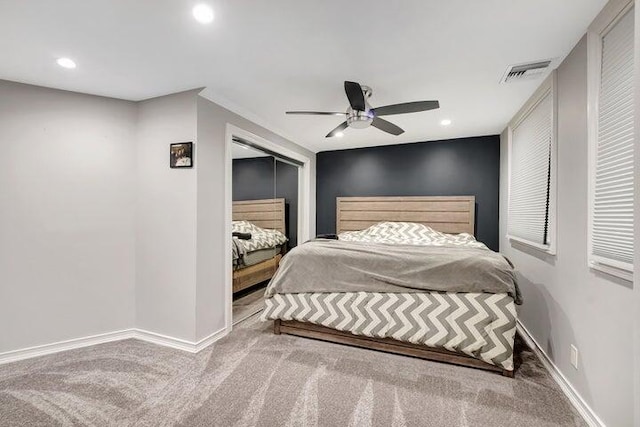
[480, 325]
[255, 257]
[410, 233]
[261, 239]
[337, 266]
[405, 281]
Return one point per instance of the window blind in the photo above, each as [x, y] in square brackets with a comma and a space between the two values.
[612, 204]
[531, 174]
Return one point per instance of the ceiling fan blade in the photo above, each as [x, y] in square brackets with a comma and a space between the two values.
[355, 95]
[340, 128]
[407, 107]
[386, 126]
[319, 113]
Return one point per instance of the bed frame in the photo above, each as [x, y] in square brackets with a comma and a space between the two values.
[389, 345]
[265, 213]
[448, 214]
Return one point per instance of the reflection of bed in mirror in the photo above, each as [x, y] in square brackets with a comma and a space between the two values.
[265, 177]
[259, 265]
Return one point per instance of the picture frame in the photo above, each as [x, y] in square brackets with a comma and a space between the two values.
[181, 155]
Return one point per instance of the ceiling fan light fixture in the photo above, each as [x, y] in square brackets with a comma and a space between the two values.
[359, 119]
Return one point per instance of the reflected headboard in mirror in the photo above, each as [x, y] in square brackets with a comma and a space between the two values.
[448, 214]
[265, 213]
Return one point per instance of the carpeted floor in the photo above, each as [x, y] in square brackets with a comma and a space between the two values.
[253, 377]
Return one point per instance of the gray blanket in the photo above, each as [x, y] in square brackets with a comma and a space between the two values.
[339, 266]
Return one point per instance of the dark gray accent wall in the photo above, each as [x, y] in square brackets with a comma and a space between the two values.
[287, 187]
[456, 167]
[261, 178]
[253, 178]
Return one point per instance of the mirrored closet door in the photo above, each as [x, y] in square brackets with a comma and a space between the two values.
[265, 222]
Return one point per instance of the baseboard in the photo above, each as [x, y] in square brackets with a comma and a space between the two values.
[574, 397]
[140, 334]
[178, 343]
[164, 340]
[208, 340]
[56, 347]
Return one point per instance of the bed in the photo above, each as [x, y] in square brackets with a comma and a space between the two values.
[470, 322]
[259, 265]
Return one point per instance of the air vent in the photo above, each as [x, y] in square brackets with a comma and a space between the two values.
[529, 71]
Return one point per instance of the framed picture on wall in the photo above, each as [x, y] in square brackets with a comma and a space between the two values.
[181, 155]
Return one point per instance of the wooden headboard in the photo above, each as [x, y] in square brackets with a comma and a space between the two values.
[448, 214]
[265, 213]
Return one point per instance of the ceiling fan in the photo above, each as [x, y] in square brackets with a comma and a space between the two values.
[361, 115]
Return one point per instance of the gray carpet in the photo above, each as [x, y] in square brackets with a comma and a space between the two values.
[253, 377]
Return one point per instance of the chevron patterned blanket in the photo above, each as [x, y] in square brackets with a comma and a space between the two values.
[410, 233]
[480, 325]
[260, 239]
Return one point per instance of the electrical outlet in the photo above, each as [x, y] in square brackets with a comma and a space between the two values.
[574, 356]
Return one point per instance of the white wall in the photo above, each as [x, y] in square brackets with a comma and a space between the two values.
[564, 301]
[212, 122]
[180, 280]
[166, 218]
[97, 233]
[67, 191]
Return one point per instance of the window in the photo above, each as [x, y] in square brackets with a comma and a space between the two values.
[611, 135]
[532, 171]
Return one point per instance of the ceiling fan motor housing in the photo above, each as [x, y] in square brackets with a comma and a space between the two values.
[361, 119]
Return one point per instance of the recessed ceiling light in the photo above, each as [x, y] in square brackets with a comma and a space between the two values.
[66, 63]
[203, 13]
[339, 135]
[445, 122]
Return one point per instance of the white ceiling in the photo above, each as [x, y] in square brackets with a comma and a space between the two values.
[261, 58]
